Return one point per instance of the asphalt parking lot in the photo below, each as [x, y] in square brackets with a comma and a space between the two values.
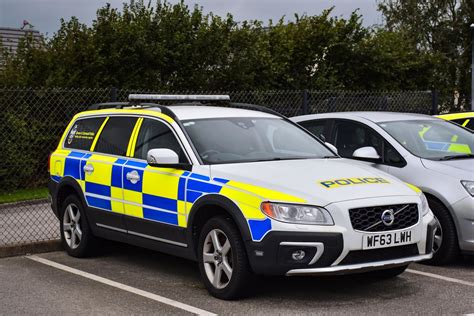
[130, 280]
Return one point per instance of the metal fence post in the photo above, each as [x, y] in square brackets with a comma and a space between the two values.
[434, 102]
[304, 104]
[113, 94]
[472, 67]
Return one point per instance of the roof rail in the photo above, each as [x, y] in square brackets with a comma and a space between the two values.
[177, 97]
[108, 105]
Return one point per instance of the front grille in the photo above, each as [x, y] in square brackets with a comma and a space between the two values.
[382, 254]
[369, 219]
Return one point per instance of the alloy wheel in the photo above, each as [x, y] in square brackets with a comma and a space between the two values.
[438, 237]
[72, 226]
[217, 257]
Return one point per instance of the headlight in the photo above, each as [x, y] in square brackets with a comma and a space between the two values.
[469, 186]
[297, 214]
[425, 208]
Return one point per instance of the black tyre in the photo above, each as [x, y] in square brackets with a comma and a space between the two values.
[76, 236]
[223, 260]
[445, 245]
[388, 273]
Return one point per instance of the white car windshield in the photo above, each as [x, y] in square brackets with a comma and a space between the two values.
[432, 139]
[234, 140]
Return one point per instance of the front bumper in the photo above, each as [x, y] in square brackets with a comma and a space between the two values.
[359, 268]
[334, 249]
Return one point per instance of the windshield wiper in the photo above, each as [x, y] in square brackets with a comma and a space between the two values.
[451, 157]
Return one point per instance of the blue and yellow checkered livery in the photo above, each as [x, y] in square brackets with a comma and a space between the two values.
[162, 195]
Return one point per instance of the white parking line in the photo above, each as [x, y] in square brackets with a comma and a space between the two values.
[440, 277]
[121, 286]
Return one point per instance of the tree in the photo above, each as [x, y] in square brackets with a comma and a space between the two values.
[171, 47]
[441, 28]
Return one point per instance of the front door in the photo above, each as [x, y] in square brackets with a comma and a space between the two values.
[154, 197]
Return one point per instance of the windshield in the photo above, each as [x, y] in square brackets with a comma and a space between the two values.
[432, 139]
[231, 140]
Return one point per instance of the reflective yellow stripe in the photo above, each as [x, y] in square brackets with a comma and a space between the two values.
[98, 134]
[466, 122]
[459, 148]
[414, 188]
[139, 111]
[133, 138]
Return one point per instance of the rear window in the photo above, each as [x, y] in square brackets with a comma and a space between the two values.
[115, 136]
[83, 132]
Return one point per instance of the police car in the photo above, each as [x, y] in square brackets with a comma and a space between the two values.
[236, 187]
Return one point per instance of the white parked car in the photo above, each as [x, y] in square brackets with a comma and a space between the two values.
[240, 191]
[433, 154]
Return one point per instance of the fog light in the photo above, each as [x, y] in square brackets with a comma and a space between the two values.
[298, 255]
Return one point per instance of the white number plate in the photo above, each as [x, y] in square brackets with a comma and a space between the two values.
[388, 239]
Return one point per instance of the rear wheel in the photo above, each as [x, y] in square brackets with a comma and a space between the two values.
[223, 261]
[76, 236]
[445, 243]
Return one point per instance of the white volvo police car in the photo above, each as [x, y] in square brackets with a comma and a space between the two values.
[237, 188]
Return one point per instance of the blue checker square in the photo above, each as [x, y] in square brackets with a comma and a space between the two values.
[72, 167]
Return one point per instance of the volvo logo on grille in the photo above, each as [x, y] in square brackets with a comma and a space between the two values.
[388, 217]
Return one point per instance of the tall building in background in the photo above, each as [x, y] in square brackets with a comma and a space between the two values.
[11, 37]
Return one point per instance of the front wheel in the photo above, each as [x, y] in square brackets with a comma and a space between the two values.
[223, 260]
[445, 243]
[76, 236]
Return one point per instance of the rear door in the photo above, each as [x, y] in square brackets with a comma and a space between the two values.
[103, 172]
[154, 197]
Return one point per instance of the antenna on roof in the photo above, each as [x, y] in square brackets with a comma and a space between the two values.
[177, 97]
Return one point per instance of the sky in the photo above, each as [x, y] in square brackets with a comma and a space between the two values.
[44, 15]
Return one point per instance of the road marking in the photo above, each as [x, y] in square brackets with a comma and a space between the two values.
[440, 277]
[123, 287]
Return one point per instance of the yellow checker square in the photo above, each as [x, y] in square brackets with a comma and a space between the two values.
[102, 169]
[160, 184]
[182, 220]
[183, 211]
[58, 161]
[117, 206]
[82, 184]
[134, 198]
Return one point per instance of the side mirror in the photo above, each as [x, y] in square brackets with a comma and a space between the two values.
[367, 154]
[331, 146]
[165, 158]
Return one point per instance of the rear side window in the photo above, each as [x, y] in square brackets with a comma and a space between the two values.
[115, 136]
[83, 132]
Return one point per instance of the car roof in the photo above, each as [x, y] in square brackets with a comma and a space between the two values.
[183, 112]
[455, 116]
[376, 117]
[193, 112]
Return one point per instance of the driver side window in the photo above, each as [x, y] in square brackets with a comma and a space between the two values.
[156, 135]
[351, 136]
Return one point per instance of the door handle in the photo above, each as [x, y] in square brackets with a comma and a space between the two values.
[133, 176]
[88, 168]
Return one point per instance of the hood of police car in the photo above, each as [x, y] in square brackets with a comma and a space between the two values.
[317, 181]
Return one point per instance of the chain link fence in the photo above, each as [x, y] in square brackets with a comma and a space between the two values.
[32, 121]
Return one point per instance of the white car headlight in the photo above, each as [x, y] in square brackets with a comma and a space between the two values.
[469, 186]
[425, 208]
[297, 214]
